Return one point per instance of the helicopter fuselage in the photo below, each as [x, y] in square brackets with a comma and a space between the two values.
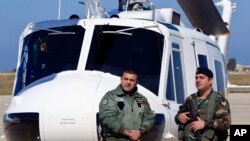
[66, 66]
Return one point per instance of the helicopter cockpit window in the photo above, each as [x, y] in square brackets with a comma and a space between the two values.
[49, 51]
[141, 50]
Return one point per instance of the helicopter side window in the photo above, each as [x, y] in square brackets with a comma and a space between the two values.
[219, 76]
[175, 84]
[170, 95]
[46, 52]
[178, 77]
[202, 61]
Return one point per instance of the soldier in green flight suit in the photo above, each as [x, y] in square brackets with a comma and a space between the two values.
[212, 109]
[124, 113]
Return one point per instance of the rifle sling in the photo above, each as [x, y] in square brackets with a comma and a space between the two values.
[211, 106]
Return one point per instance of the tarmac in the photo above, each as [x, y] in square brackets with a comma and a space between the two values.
[4, 101]
[239, 104]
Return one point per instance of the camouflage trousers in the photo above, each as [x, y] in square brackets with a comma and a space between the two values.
[208, 135]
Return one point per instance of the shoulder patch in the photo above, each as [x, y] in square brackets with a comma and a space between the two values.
[224, 103]
[105, 101]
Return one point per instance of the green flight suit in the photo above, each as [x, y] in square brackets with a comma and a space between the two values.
[215, 111]
[119, 111]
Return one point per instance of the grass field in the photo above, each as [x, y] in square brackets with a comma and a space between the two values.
[239, 78]
[6, 83]
[7, 79]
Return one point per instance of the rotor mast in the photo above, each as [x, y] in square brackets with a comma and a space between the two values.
[94, 9]
[131, 5]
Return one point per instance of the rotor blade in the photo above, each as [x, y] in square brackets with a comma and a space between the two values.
[204, 15]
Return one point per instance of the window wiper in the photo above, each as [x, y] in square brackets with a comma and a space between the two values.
[118, 32]
[60, 33]
[54, 32]
[122, 31]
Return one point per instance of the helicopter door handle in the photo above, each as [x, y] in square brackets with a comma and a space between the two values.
[166, 104]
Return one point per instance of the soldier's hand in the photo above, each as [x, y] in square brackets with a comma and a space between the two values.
[183, 117]
[127, 133]
[135, 135]
[197, 125]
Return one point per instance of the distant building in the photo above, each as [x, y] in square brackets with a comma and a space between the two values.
[242, 68]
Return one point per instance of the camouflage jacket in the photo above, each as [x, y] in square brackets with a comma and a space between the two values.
[216, 115]
[119, 111]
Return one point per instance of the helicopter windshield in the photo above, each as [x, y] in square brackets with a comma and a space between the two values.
[46, 52]
[141, 51]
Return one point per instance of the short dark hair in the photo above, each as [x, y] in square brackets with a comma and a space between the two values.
[130, 72]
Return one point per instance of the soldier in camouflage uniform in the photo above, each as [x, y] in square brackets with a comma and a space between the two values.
[124, 113]
[213, 112]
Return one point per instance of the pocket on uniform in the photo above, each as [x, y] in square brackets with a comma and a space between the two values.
[180, 134]
[209, 134]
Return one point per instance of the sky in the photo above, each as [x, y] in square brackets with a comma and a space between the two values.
[15, 15]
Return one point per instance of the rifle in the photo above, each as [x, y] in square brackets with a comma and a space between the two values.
[193, 112]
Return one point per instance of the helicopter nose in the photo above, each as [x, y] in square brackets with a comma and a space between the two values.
[21, 126]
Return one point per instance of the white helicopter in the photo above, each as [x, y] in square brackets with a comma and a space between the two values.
[65, 66]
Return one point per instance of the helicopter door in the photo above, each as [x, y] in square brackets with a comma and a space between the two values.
[175, 90]
[174, 93]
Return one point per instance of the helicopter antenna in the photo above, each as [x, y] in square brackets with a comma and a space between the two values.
[59, 10]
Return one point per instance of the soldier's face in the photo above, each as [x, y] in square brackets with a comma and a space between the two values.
[203, 82]
[128, 82]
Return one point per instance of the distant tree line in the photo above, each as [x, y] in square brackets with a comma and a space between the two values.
[231, 65]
